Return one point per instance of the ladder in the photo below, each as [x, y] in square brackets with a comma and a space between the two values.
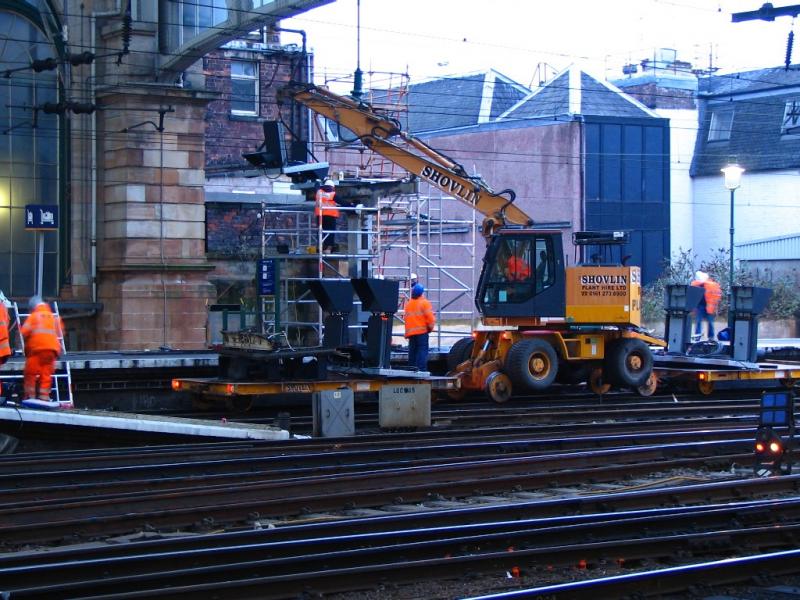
[63, 373]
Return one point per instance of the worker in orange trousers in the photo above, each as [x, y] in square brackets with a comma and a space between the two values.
[5, 342]
[42, 332]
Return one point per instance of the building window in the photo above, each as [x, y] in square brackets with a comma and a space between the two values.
[196, 16]
[244, 87]
[791, 118]
[720, 129]
[29, 158]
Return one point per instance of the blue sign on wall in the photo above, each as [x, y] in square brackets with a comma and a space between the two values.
[267, 268]
[41, 216]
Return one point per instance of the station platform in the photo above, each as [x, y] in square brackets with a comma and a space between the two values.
[164, 359]
[78, 424]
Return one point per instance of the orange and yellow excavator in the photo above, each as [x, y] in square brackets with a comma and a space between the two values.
[541, 321]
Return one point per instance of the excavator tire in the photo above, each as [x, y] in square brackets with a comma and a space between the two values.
[459, 352]
[629, 363]
[532, 365]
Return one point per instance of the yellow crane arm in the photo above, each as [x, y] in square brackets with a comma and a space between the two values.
[378, 133]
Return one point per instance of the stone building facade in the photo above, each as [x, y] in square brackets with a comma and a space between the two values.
[116, 140]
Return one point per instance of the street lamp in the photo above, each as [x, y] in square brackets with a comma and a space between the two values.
[733, 179]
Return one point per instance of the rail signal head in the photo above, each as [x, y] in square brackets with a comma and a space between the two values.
[769, 452]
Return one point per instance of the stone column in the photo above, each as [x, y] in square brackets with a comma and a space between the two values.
[153, 273]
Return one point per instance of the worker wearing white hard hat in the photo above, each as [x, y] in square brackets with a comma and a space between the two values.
[327, 212]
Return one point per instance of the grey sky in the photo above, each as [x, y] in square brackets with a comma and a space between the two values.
[432, 38]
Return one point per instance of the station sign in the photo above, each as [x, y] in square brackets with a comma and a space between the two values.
[266, 271]
[41, 217]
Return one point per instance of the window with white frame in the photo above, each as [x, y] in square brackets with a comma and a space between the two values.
[244, 87]
[791, 118]
[721, 121]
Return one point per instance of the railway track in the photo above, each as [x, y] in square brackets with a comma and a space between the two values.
[537, 410]
[436, 546]
[53, 502]
[290, 518]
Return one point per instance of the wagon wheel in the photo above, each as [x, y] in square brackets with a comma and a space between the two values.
[706, 388]
[456, 395]
[597, 382]
[648, 388]
[498, 387]
[239, 403]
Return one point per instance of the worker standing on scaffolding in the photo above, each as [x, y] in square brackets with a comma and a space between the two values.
[327, 213]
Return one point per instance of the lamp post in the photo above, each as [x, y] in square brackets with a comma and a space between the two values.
[733, 179]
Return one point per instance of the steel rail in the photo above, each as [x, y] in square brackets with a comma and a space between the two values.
[597, 504]
[711, 527]
[82, 459]
[46, 521]
[668, 580]
[265, 463]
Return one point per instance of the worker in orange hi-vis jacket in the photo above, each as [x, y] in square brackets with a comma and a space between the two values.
[419, 322]
[5, 342]
[41, 332]
[707, 308]
[327, 212]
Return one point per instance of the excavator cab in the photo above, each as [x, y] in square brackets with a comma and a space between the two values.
[522, 275]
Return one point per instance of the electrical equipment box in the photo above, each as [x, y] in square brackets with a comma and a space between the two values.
[404, 405]
[333, 413]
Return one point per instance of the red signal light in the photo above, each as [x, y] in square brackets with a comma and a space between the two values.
[774, 447]
[759, 447]
[176, 385]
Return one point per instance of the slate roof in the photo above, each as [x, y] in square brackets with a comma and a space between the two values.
[749, 81]
[574, 91]
[758, 100]
[460, 101]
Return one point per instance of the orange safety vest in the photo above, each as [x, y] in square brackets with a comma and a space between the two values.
[712, 294]
[41, 331]
[325, 200]
[5, 345]
[518, 269]
[419, 317]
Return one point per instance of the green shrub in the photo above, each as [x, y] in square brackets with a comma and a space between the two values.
[784, 303]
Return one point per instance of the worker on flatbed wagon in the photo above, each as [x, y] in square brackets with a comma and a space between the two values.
[709, 303]
[419, 322]
[42, 334]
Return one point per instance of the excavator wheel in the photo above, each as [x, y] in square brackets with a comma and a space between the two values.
[498, 387]
[531, 364]
[629, 362]
[649, 386]
[459, 352]
[597, 382]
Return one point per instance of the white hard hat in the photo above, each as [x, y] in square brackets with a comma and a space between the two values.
[413, 276]
[701, 276]
[329, 182]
